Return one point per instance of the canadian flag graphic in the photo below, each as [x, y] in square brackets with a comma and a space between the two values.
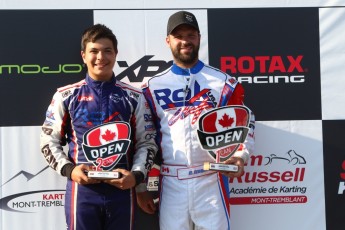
[108, 133]
[223, 119]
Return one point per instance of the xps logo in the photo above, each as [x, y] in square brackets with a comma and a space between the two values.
[145, 66]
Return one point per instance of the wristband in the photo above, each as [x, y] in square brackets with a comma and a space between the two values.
[67, 170]
[139, 177]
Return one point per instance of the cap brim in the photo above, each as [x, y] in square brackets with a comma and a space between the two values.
[183, 23]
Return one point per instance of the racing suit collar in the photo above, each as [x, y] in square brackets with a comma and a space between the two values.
[96, 84]
[186, 72]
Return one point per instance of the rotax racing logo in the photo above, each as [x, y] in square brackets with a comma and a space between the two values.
[222, 130]
[265, 69]
[104, 145]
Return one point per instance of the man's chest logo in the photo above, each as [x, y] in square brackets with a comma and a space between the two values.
[173, 98]
[186, 102]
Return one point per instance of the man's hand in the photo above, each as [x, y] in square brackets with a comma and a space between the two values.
[78, 175]
[145, 202]
[126, 181]
[234, 161]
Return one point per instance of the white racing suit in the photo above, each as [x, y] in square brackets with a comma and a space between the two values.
[189, 196]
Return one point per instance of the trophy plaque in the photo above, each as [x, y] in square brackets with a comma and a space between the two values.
[104, 175]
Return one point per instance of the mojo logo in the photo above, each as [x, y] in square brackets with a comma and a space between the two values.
[145, 64]
[104, 145]
[223, 130]
[265, 69]
[15, 69]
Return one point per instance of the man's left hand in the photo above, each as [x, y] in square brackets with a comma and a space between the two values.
[126, 181]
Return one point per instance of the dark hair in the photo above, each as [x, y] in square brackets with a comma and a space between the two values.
[96, 32]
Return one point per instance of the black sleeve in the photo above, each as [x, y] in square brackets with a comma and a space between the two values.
[67, 170]
[139, 177]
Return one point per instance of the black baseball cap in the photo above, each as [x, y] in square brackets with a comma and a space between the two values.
[179, 18]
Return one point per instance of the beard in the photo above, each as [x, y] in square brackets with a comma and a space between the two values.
[186, 59]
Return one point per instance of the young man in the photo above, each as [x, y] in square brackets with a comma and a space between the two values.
[103, 122]
[178, 97]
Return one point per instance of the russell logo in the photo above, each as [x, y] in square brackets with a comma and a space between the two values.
[104, 145]
[222, 130]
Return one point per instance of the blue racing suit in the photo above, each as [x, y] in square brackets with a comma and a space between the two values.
[107, 125]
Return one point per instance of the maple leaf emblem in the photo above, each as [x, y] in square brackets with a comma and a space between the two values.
[226, 121]
[108, 136]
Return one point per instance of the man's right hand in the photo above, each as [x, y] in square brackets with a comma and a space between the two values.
[78, 175]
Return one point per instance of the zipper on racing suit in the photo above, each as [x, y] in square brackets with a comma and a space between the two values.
[187, 118]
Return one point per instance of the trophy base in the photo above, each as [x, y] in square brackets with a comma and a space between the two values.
[103, 175]
[220, 167]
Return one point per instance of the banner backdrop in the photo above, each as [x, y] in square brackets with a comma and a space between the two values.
[290, 61]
